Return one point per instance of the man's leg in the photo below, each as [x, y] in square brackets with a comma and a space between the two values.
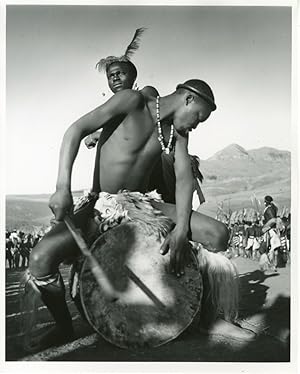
[17, 260]
[212, 234]
[45, 258]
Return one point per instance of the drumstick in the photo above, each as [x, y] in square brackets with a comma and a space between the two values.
[96, 269]
[99, 274]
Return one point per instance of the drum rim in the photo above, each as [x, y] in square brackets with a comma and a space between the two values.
[85, 263]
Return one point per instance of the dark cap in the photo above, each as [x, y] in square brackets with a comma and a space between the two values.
[268, 199]
[200, 88]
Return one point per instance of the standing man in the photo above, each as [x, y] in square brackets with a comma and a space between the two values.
[274, 244]
[121, 74]
[249, 239]
[9, 247]
[270, 210]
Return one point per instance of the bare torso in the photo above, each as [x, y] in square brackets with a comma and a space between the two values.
[127, 157]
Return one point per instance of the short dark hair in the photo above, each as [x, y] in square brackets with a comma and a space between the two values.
[130, 65]
[200, 88]
[268, 199]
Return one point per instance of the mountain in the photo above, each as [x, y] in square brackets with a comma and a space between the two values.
[235, 174]
[231, 152]
[232, 177]
[234, 161]
[270, 154]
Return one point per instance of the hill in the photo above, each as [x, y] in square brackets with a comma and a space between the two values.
[29, 212]
[232, 177]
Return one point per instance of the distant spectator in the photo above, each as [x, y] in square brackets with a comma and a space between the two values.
[274, 246]
[258, 238]
[235, 239]
[242, 232]
[25, 249]
[14, 236]
[19, 246]
[284, 253]
[249, 239]
[288, 233]
[270, 210]
[16, 255]
[8, 252]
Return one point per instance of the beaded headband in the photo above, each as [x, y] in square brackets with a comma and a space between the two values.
[104, 63]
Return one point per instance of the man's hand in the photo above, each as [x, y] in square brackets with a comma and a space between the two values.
[91, 140]
[61, 203]
[177, 243]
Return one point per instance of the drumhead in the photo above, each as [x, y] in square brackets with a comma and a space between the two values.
[149, 306]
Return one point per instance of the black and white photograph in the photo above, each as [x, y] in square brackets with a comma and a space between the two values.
[150, 185]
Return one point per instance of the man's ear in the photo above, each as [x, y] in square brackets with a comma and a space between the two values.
[189, 99]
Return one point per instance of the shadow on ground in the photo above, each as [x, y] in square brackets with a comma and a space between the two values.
[272, 325]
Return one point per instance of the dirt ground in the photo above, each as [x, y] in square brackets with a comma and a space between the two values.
[264, 308]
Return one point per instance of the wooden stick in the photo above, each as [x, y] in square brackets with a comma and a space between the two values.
[96, 269]
[100, 276]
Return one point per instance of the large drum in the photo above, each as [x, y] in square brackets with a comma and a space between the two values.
[141, 304]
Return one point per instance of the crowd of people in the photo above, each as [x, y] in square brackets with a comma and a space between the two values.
[262, 237]
[19, 246]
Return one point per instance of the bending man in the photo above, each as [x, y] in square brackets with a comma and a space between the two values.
[131, 125]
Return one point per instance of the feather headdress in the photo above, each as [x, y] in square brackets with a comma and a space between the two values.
[104, 63]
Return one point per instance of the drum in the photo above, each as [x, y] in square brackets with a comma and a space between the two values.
[141, 304]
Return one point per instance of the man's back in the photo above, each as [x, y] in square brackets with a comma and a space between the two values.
[270, 212]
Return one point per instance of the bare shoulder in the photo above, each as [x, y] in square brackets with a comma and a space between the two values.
[149, 91]
[132, 98]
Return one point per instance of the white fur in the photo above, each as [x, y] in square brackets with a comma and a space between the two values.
[223, 282]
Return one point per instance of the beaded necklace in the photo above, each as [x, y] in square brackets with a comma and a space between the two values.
[164, 148]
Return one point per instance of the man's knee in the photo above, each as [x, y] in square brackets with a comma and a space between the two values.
[222, 237]
[41, 258]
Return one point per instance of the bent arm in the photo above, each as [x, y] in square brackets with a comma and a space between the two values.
[184, 184]
[120, 104]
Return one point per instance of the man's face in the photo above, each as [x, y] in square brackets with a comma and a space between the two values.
[119, 77]
[192, 111]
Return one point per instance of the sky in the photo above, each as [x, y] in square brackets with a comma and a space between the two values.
[244, 53]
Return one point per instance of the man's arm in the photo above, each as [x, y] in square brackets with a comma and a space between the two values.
[184, 184]
[120, 104]
[177, 239]
[149, 91]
